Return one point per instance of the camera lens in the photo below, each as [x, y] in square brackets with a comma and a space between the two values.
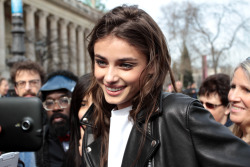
[26, 125]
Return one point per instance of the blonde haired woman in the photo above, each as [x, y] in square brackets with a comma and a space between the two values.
[239, 97]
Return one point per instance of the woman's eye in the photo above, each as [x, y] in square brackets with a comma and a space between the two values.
[247, 90]
[100, 62]
[83, 104]
[126, 65]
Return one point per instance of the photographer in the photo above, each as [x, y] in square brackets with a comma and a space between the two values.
[28, 77]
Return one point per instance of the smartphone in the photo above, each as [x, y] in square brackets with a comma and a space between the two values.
[21, 123]
[9, 159]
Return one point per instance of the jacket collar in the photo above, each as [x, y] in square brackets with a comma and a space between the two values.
[142, 114]
[150, 146]
[85, 120]
[148, 149]
[93, 147]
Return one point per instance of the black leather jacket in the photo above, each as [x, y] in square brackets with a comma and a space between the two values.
[181, 134]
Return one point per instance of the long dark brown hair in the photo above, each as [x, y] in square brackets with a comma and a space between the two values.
[137, 28]
[73, 157]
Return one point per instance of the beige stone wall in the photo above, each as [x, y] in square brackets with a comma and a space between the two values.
[64, 24]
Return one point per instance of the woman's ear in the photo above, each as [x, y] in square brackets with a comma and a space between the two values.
[227, 111]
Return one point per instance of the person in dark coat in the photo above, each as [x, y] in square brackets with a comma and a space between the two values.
[56, 97]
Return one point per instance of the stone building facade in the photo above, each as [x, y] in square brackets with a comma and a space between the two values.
[55, 34]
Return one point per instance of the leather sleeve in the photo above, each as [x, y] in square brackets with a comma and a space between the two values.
[214, 144]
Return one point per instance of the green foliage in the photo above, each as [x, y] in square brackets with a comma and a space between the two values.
[186, 67]
[187, 78]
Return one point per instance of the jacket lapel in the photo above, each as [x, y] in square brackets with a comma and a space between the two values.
[133, 146]
[93, 152]
[150, 145]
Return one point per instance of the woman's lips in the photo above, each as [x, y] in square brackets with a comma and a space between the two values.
[236, 108]
[114, 91]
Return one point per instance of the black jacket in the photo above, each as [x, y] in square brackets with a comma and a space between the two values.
[181, 133]
[51, 153]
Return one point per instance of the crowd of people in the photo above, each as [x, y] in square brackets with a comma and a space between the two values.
[119, 115]
[191, 89]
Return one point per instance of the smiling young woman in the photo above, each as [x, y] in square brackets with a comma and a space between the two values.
[118, 66]
[132, 122]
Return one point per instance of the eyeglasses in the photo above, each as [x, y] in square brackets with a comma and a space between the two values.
[62, 102]
[210, 105]
[32, 83]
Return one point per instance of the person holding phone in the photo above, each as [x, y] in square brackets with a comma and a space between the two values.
[28, 77]
[133, 122]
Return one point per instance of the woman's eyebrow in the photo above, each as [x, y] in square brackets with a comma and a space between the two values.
[100, 57]
[122, 59]
[128, 59]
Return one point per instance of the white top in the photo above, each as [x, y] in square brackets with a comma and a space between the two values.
[120, 128]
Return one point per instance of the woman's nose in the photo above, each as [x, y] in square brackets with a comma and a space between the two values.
[233, 95]
[111, 75]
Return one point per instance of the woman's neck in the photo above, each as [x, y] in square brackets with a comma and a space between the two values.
[246, 134]
[224, 119]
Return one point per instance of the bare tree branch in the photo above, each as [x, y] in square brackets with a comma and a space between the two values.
[188, 22]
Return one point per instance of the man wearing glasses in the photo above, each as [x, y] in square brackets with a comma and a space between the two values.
[28, 77]
[213, 95]
[56, 96]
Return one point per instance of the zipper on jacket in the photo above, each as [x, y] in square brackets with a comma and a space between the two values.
[149, 132]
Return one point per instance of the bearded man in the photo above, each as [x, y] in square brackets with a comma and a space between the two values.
[56, 96]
